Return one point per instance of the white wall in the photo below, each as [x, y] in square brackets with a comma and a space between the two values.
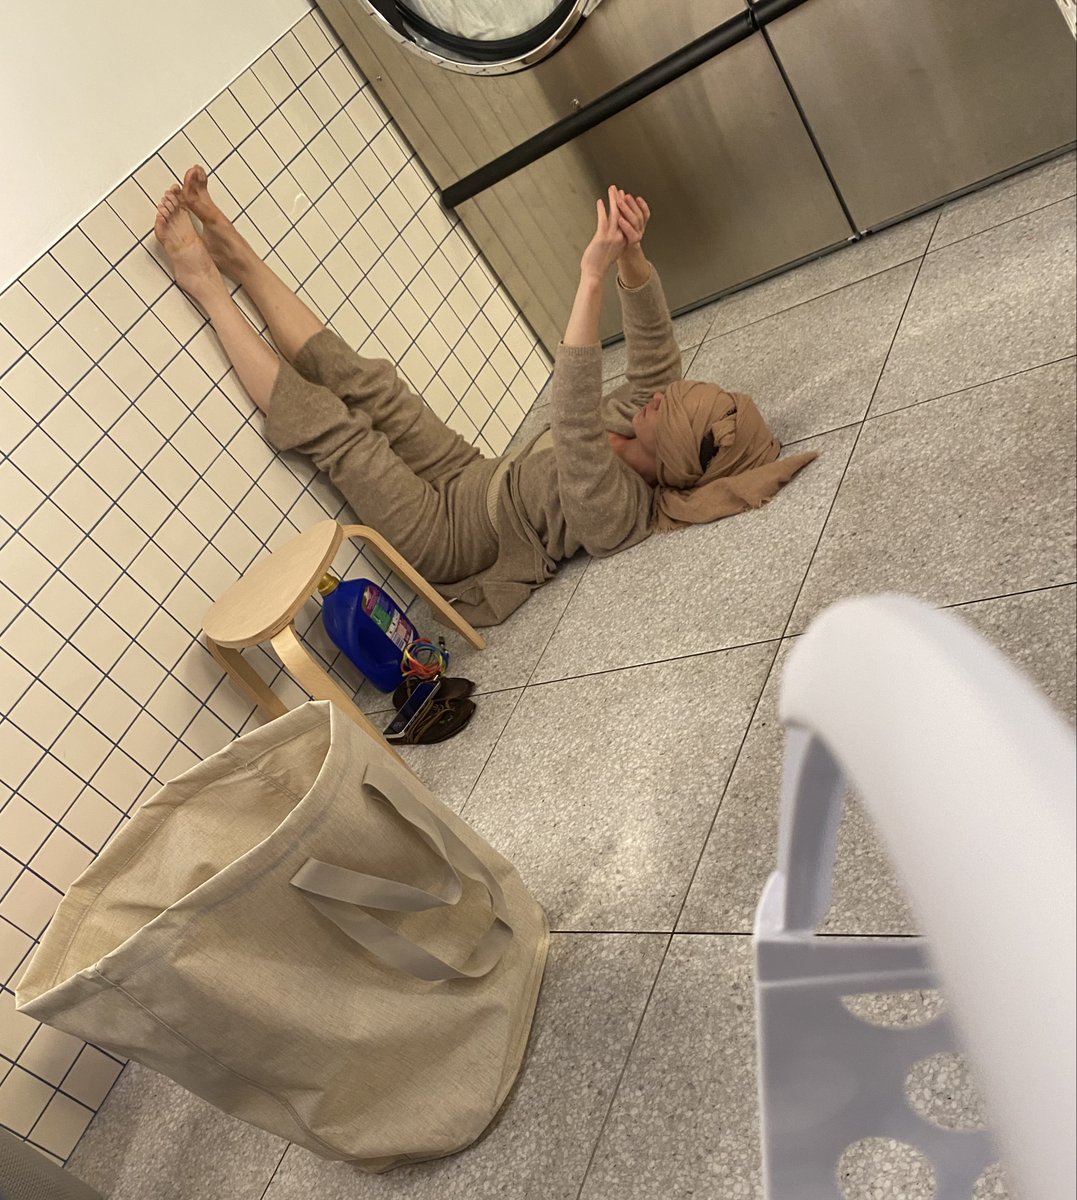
[89, 89]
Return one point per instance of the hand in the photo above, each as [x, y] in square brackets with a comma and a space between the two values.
[609, 241]
[635, 214]
[632, 267]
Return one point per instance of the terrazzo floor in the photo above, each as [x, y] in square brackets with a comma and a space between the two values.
[626, 751]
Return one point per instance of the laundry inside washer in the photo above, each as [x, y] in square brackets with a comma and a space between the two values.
[483, 35]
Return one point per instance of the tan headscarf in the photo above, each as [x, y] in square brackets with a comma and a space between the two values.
[745, 471]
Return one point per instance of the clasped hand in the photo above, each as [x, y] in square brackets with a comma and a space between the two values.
[619, 231]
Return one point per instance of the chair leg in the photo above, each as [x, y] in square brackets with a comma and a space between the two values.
[363, 533]
[247, 679]
[306, 672]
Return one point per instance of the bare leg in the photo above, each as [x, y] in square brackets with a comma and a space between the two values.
[255, 363]
[290, 321]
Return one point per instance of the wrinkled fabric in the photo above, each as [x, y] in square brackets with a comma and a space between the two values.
[191, 944]
[745, 471]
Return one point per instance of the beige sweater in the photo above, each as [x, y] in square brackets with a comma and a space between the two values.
[566, 490]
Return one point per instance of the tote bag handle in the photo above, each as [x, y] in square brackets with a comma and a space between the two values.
[330, 888]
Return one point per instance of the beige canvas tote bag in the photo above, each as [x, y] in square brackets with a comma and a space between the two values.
[299, 932]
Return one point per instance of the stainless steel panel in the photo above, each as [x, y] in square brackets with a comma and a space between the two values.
[721, 156]
[457, 122]
[911, 100]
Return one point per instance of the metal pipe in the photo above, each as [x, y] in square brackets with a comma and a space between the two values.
[648, 81]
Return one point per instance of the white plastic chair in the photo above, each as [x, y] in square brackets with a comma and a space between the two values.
[969, 776]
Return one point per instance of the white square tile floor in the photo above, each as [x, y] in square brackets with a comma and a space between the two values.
[627, 753]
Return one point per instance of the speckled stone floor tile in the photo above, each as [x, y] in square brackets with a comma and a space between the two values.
[602, 789]
[591, 1003]
[1036, 630]
[1009, 198]
[988, 306]
[685, 1121]
[724, 584]
[963, 498]
[874, 253]
[153, 1140]
[449, 769]
[814, 367]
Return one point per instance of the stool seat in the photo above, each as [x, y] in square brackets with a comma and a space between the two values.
[261, 607]
[274, 589]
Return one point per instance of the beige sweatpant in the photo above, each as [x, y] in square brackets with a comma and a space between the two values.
[402, 470]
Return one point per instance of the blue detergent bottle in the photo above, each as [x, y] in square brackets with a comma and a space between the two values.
[368, 625]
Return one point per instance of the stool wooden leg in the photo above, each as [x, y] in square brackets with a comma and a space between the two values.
[405, 570]
[306, 672]
[247, 679]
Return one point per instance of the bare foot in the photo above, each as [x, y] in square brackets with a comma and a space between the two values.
[195, 271]
[227, 247]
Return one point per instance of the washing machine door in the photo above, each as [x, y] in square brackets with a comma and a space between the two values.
[481, 37]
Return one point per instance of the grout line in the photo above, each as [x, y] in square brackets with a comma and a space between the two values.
[725, 786]
[273, 1173]
[624, 1068]
[657, 662]
[1032, 591]
[998, 224]
[490, 754]
[718, 933]
[519, 698]
[613, 932]
[852, 450]
[970, 387]
[823, 433]
[842, 287]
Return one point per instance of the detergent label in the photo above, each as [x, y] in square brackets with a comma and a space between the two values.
[389, 619]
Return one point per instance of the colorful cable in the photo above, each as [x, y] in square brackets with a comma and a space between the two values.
[423, 660]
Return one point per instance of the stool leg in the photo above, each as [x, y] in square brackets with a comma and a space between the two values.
[247, 679]
[306, 672]
[405, 570]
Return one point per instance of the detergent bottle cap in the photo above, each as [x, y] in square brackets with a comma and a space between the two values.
[328, 583]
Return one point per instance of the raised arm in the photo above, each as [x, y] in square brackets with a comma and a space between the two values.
[600, 497]
[654, 358]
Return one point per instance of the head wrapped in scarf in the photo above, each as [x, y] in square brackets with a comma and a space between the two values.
[716, 456]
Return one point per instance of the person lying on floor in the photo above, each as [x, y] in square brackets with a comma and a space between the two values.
[658, 454]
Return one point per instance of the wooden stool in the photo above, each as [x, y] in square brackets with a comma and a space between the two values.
[261, 607]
